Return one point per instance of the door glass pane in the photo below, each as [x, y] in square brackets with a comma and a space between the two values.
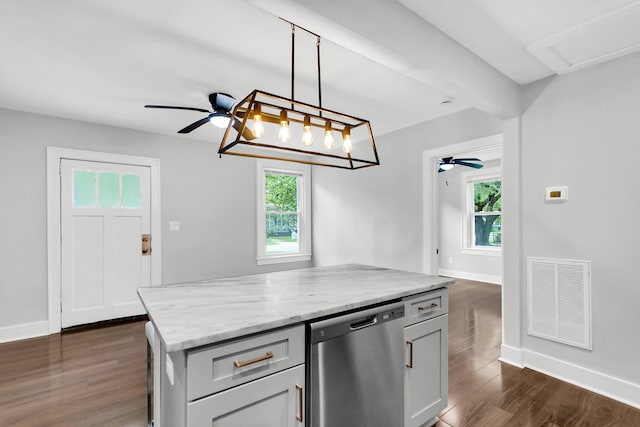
[84, 189]
[108, 189]
[131, 197]
[282, 215]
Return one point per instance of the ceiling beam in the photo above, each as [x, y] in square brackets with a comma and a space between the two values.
[387, 32]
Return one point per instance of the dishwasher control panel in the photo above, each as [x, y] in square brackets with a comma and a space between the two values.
[340, 325]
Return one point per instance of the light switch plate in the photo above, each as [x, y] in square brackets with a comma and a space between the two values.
[174, 225]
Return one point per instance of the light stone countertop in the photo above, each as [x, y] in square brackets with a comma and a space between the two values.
[198, 313]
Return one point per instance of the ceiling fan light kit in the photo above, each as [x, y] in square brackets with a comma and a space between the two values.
[268, 126]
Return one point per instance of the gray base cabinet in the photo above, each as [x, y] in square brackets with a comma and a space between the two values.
[259, 380]
[426, 370]
[253, 381]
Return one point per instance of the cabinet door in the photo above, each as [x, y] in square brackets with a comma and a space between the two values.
[273, 401]
[426, 373]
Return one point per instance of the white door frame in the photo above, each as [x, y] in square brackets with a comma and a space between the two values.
[430, 206]
[54, 250]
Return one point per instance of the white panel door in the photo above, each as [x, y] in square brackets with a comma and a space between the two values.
[105, 210]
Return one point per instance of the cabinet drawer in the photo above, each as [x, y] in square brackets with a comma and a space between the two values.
[426, 306]
[275, 401]
[219, 367]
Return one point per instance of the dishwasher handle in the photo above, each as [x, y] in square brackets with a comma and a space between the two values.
[363, 323]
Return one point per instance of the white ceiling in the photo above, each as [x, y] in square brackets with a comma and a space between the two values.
[101, 61]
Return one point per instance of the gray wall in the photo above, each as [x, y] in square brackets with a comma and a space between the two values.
[214, 200]
[452, 214]
[374, 216]
[583, 131]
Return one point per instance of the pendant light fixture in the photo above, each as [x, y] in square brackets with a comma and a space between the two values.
[297, 124]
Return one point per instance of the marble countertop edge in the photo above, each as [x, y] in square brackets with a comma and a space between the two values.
[195, 314]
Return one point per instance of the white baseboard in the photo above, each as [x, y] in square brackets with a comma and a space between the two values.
[616, 388]
[497, 280]
[24, 331]
[511, 355]
[598, 382]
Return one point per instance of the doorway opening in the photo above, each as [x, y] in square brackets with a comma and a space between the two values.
[488, 149]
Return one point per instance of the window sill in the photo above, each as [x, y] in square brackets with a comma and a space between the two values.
[483, 251]
[278, 259]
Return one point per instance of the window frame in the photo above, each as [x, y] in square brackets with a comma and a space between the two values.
[468, 227]
[304, 207]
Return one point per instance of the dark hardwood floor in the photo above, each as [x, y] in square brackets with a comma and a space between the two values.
[94, 377]
[486, 392]
[97, 377]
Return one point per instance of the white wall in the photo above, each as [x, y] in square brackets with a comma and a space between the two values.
[583, 131]
[476, 266]
[214, 200]
[374, 216]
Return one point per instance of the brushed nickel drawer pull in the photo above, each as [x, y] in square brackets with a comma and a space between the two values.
[300, 396]
[410, 364]
[240, 364]
[433, 306]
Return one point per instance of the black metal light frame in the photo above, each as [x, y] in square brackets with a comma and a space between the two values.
[271, 106]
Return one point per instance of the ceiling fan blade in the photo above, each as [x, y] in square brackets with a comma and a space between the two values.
[246, 132]
[172, 107]
[446, 160]
[471, 159]
[440, 170]
[194, 125]
[471, 165]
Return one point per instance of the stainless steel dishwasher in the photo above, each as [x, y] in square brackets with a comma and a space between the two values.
[356, 369]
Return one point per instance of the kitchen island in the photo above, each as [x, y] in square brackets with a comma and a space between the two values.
[225, 341]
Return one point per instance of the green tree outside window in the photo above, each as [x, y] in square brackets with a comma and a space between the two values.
[487, 197]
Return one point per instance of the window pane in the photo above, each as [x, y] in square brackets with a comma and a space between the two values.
[84, 189]
[131, 197]
[108, 190]
[282, 233]
[487, 196]
[488, 230]
[281, 213]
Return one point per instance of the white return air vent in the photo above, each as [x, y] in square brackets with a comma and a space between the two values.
[559, 300]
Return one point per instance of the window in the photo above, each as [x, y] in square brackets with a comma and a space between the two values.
[483, 222]
[283, 202]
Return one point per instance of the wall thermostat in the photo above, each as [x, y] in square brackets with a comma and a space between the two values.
[557, 194]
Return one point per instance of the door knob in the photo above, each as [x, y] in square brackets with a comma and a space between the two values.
[146, 244]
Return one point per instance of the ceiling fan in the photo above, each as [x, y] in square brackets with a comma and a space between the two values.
[447, 163]
[221, 104]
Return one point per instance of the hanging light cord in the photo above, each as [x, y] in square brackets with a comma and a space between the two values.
[319, 81]
[293, 61]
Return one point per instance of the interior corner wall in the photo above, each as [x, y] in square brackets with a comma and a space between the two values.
[583, 131]
[214, 200]
[374, 216]
[453, 260]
